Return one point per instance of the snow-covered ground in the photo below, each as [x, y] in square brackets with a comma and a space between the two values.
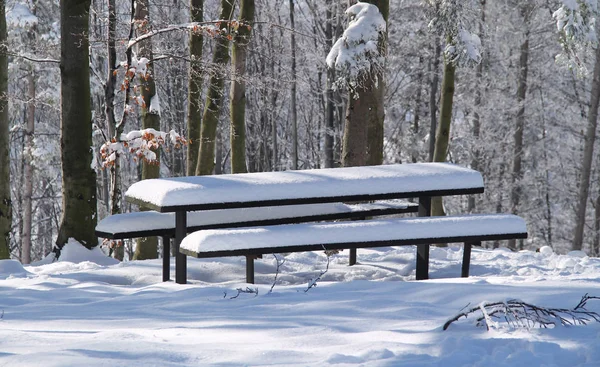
[91, 313]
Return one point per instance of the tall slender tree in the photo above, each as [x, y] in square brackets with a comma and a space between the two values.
[5, 201]
[214, 99]
[237, 99]
[517, 169]
[147, 247]
[195, 75]
[78, 178]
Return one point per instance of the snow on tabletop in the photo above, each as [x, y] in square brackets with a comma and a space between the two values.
[372, 180]
[356, 231]
[152, 220]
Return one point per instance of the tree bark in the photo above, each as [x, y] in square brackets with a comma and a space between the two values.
[28, 169]
[194, 114]
[5, 201]
[238, 89]
[147, 247]
[78, 178]
[293, 92]
[517, 170]
[433, 97]
[375, 123]
[476, 116]
[588, 152]
[214, 99]
[363, 133]
[329, 116]
[442, 135]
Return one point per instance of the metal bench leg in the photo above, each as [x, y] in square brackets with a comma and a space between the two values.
[166, 268]
[352, 256]
[180, 259]
[467, 258]
[250, 269]
[422, 262]
[423, 250]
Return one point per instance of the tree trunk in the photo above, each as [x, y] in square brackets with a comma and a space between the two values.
[517, 170]
[147, 247]
[238, 89]
[194, 114]
[214, 99]
[375, 122]
[442, 135]
[363, 133]
[5, 201]
[588, 152]
[28, 169]
[476, 116]
[78, 178]
[354, 148]
[433, 97]
[293, 92]
[329, 103]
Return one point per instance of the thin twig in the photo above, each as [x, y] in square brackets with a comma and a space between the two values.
[279, 264]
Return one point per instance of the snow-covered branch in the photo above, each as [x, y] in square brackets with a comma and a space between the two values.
[212, 28]
[516, 314]
[576, 24]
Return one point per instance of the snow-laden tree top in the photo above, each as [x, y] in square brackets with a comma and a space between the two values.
[356, 53]
[576, 23]
[452, 19]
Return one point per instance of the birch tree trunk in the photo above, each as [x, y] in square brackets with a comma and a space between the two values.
[588, 152]
[214, 99]
[79, 215]
[194, 114]
[5, 201]
[147, 247]
[238, 89]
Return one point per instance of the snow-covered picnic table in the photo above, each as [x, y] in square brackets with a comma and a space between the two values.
[273, 189]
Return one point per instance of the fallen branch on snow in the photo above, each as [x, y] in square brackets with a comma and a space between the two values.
[517, 314]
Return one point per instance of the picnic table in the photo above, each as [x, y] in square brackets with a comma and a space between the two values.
[274, 189]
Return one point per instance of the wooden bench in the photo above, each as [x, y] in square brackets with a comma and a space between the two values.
[152, 223]
[422, 231]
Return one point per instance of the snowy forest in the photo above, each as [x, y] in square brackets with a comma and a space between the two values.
[523, 113]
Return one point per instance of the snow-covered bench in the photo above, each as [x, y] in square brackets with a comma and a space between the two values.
[152, 223]
[254, 241]
[182, 195]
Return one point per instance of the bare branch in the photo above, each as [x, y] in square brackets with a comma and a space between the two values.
[519, 314]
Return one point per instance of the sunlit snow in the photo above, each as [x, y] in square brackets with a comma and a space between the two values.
[80, 313]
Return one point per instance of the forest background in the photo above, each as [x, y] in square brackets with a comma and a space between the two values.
[519, 116]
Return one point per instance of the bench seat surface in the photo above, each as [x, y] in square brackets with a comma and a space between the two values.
[273, 237]
[152, 220]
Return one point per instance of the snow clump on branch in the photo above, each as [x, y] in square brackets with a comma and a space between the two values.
[356, 54]
[452, 19]
[576, 24]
